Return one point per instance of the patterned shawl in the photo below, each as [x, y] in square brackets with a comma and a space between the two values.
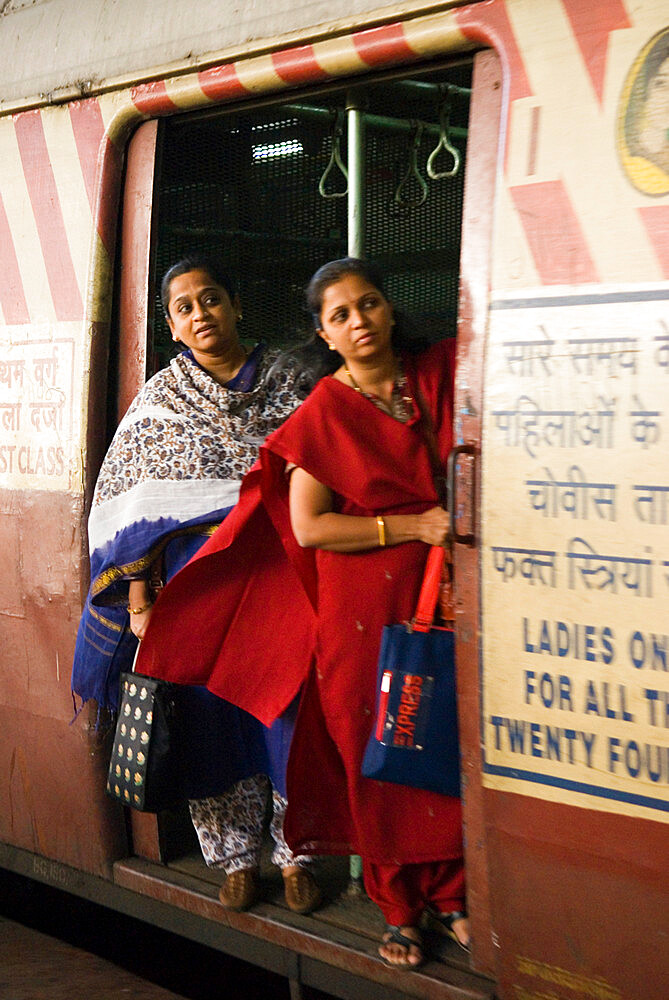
[171, 475]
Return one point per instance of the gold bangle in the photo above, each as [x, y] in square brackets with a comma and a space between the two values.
[141, 610]
[381, 528]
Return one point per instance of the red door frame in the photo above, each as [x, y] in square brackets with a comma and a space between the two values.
[135, 303]
[482, 164]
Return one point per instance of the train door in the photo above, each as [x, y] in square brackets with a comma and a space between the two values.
[268, 188]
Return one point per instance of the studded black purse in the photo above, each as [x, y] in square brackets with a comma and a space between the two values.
[146, 769]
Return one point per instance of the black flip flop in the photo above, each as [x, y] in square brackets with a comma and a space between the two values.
[396, 937]
[445, 923]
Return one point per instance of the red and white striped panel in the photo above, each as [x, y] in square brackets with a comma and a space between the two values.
[55, 159]
[566, 214]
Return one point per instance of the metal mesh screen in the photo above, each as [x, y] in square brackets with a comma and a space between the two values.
[245, 187]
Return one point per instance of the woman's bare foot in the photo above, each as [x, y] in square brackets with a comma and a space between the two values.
[454, 925]
[402, 947]
[460, 929]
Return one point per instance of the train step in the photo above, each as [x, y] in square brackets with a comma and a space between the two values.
[333, 950]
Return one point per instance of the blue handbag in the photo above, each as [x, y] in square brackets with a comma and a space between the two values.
[415, 736]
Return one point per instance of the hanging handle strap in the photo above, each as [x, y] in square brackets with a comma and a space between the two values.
[403, 201]
[335, 161]
[445, 144]
[429, 591]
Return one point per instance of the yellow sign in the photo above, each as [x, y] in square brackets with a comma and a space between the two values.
[38, 416]
[576, 549]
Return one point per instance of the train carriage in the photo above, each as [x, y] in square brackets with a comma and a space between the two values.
[507, 161]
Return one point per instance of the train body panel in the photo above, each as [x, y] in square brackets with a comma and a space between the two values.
[62, 51]
[562, 361]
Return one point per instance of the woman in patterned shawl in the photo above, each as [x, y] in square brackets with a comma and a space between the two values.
[171, 475]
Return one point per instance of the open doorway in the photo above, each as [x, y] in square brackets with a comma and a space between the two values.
[265, 189]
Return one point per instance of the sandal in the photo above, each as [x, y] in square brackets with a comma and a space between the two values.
[301, 891]
[444, 925]
[394, 935]
[240, 889]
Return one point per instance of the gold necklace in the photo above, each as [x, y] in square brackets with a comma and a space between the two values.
[400, 402]
[353, 381]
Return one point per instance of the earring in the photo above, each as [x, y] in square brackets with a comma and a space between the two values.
[240, 316]
[331, 347]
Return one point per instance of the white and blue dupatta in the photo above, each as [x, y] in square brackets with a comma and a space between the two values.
[172, 473]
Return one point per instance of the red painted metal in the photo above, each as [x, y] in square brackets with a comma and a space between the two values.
[482, 161]
[136, 246]
[45, 201]
[221, 83]
[493, 28]
[592, 24]
[12, 294]
[579, 899]
[380, 46]
[152, 98]
[53, 772]
[88, 128]
[656, 220]
[564, 902]
[554, 233]
[108, 187]
[298, 65]
[134, 315]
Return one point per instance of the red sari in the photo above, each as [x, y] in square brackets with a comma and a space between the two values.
[314, 619]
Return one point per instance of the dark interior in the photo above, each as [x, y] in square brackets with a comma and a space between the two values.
[245, 185]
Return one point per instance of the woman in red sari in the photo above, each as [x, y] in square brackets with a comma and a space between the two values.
[347, 486]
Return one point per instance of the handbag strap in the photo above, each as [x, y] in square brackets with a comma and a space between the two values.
[429, 591]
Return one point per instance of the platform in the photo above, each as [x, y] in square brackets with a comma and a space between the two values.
[34, 966]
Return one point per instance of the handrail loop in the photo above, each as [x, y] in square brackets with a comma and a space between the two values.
[335, 161]
[444, 143]
[401, 203]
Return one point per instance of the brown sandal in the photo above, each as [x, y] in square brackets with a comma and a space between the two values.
[301, 891]
[240, 890]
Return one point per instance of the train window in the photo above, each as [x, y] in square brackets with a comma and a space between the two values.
[263, 188]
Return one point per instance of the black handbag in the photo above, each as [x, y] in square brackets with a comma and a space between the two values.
[415, 736]
[146, 769]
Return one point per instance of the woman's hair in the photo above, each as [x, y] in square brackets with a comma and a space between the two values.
[196, 262]
[634, 113]
[657, 55]
[314, 358]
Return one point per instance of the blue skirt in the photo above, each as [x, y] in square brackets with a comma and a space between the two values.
[222, 743]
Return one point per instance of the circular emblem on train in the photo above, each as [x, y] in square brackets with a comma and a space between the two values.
[642, 135]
